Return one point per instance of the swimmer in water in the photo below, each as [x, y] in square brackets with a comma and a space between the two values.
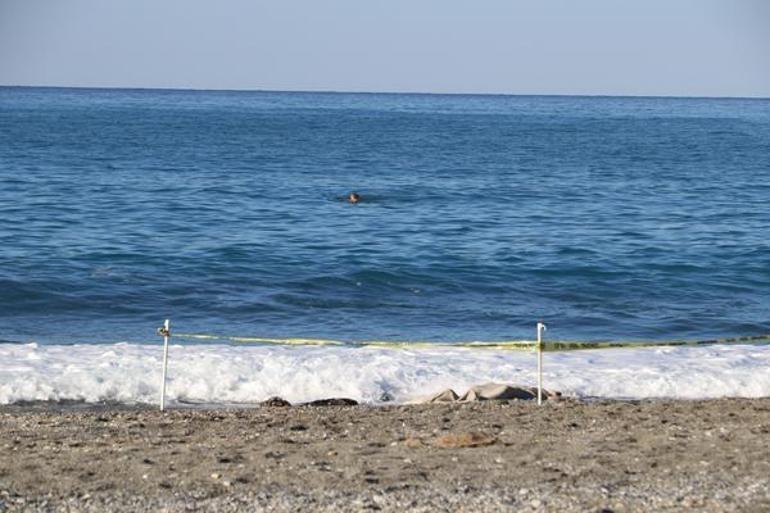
[354, 197]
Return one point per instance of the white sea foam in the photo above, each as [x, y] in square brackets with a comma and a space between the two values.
[246, 374]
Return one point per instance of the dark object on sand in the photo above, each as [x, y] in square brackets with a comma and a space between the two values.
[335, 401]
[276, 401]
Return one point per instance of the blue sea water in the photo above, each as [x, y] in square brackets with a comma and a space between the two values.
[608, 218]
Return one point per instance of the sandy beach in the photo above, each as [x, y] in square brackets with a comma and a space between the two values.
[493, 456]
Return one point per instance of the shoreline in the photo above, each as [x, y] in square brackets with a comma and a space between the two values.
[213, 374]
[599, 455]
[77, 406]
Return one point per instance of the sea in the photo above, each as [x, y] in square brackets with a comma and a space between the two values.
[607, 218]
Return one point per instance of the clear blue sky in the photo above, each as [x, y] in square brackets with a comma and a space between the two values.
[617, 47]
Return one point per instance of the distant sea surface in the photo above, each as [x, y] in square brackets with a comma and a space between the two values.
[607, 218]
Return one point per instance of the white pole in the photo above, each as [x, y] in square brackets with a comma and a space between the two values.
[540, 329]
[165, 332]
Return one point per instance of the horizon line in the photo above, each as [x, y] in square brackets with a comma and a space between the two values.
[413, 93]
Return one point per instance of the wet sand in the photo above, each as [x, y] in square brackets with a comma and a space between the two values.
[492, 456]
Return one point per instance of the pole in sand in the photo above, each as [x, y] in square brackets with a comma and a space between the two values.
[540, 329]
[165, 332]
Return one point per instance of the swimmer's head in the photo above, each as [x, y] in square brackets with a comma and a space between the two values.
[354, 197]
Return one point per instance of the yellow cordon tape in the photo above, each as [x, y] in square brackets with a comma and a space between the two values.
[519, 345]
[262, 340]
[540, 345]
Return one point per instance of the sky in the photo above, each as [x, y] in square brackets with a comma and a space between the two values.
[584, 47]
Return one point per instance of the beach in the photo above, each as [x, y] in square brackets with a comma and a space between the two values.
[568, 455]
[333, 256]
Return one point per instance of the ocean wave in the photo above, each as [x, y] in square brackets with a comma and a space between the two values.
[219, 374]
